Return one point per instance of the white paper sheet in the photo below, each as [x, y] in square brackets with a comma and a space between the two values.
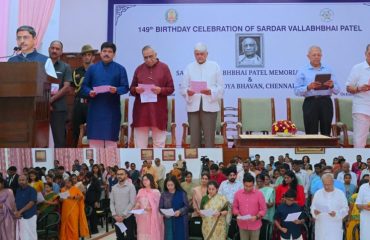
[64, 195]
[148, 96]
[168, 212]
[40, 197]
[137, 211]
[122, 227]
[207, 212]
[323, 208]
[292, 217]
[49, 68]
[245, 217]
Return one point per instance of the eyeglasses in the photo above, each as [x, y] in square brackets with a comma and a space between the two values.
[19, 38]
[148, 57]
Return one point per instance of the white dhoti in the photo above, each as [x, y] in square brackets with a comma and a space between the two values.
[326, 226]
[363, 197]
[26, 229]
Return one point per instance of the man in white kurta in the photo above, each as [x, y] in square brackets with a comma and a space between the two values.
[329, 207]
[359, 85]
[203, 88]
[363, 204]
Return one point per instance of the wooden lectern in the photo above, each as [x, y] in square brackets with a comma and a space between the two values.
[24, 105]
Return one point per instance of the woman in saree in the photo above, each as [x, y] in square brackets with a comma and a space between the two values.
[35, 182]
[214, 227]
[7, 208]
[173, 196]
[199, 192]
[51, 203]
[73, 218]
[269, 194]
[150, 223]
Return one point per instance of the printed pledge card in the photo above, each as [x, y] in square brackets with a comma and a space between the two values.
[197, 86]
[102, 89]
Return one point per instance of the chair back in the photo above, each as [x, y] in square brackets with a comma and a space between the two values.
[295, 112]
[170, 113]
[220, 117]
[343, 111]
[124, 111]
[256, 114]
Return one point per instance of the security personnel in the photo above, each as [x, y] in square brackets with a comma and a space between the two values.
[80, 104]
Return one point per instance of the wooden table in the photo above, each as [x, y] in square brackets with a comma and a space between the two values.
[274, 141]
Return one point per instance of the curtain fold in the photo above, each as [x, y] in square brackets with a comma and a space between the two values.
[4, 23]
[108, 156]
[20, 157]
[66, 156]
[36, 13]
[2, 162]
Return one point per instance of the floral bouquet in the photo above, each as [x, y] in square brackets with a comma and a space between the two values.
[284, 127]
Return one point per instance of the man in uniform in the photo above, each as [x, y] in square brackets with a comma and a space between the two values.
[80, 103]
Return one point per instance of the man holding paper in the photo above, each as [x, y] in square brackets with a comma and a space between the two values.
[122, 200]
[329, 207]
[316, 88]
[249, 206]
[151, 84]
[104, 82]
[363, 204]
[359, 85]
[58, 101]
[203, 88]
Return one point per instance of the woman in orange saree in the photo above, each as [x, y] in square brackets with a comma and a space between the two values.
[73, 218]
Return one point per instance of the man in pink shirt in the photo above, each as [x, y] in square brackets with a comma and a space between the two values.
[250, 207]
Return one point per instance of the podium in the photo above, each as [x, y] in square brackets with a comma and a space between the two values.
[24, 105]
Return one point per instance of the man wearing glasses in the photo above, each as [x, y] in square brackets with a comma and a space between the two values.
[151, 84]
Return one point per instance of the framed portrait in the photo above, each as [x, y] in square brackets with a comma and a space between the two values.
[249, 50]
[168, 154]
[306, 150]
[147, 154]
[40, 155]
[89, 153]
[191, 153]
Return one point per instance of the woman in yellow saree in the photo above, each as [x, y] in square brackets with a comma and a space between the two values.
[73, 218]
[214, 227]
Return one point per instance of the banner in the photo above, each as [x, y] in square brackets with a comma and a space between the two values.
[281, 34]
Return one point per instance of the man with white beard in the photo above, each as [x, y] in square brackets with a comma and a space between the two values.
[329, 207]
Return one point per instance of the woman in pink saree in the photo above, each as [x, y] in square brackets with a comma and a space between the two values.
[150, 223]
[7, 207]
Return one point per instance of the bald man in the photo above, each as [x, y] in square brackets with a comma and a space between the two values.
[58, 109]
[317, 106]
[249, 56]
[25, 200]
[345, 170]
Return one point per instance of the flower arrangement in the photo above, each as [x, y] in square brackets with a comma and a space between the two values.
[285, 127]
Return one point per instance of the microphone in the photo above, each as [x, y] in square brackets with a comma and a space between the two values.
[15, 50]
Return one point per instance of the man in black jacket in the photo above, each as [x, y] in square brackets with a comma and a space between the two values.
[12, 179]
[92, 199]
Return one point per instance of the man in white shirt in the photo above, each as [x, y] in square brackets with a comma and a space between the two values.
[161, 172]
[329, 207]
[367, 170]
[246, 166]
[302, 176]
[363, 204]
[202, 103]
[359, 85]
[345, 169]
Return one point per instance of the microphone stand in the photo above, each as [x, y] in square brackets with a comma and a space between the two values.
[15, 50]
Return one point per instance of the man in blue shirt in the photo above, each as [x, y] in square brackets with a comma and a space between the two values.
[317, 105]
[25, 200]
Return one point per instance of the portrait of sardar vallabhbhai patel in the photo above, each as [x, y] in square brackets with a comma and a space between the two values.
[249, 50]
